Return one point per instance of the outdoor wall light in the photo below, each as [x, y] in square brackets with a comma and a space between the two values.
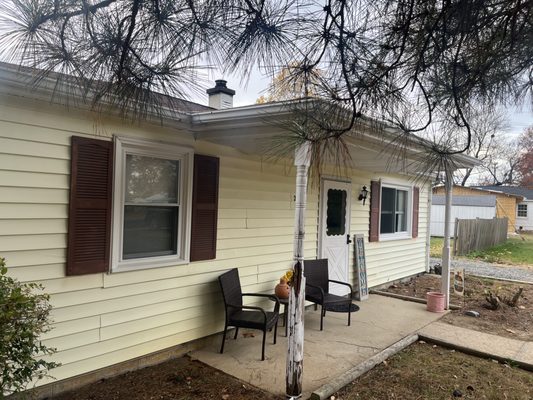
[363, 195]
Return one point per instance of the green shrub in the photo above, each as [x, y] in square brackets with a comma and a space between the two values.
[24, 316]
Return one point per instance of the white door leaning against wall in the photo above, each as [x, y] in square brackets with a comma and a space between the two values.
[335, 207]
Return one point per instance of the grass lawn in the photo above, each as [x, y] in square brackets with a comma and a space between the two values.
[436, 243]
[517, 250]
[429, 372]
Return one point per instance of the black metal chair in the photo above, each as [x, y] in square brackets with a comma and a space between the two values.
[241, 316]
[317, 290]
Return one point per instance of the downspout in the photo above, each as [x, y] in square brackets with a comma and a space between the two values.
[295, 341]
[445, 277]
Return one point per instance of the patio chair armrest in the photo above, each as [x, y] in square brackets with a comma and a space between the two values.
[343, 283]
[272, 297]
[316, 287]
[250, 308]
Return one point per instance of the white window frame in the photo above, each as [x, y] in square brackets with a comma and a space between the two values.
[517, 210]
[409, 212]
[169, 151]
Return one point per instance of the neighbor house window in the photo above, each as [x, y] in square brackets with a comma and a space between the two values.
[522, 210]
[394, 212]
[152, 191]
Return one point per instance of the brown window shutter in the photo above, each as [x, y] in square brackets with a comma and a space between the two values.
[375, 194]
[204, 208]
[89, 225]
[416, 202]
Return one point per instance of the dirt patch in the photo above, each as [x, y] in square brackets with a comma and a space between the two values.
[181, 379]
[429, 372]
[513, 322]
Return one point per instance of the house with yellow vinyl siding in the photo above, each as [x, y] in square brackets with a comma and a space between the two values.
[128, 225]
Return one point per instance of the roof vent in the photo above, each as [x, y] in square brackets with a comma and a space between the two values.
[220, 97]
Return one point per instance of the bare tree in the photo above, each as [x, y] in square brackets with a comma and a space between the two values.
[502, 164]
[487, 131]
[525, 162]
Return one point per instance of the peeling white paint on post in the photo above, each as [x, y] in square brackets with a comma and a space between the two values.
[445, 277]
[295, 353]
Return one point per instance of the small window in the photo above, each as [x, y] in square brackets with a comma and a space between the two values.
[522, 210]
[152, 182]
[394, 214]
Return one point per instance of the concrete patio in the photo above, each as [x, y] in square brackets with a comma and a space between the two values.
[381, 322]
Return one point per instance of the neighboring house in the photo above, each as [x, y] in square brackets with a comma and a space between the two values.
[157, 213]
[524, 209]
[466, 205]
[463, 207]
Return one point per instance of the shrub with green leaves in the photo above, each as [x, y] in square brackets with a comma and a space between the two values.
[24, 316]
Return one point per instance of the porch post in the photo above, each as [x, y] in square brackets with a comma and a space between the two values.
[295, 353]
[446, 261]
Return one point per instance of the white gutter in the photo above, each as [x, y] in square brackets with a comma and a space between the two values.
[236, 113]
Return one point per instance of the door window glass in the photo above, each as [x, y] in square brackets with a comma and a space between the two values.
[336, 212]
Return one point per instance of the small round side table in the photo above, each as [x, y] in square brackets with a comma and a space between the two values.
[285, 303]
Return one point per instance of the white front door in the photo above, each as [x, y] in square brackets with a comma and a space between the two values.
[334, 231]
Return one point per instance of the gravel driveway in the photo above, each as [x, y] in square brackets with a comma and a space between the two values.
[493, 270]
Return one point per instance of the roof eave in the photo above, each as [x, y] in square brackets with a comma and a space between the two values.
[262, 114]
[17, 82]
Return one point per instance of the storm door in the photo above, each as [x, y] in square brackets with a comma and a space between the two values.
[335, 231]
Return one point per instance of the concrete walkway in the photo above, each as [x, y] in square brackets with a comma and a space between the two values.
[479, 343]
[381, 322]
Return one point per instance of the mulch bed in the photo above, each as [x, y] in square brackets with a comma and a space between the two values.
[513, 322]
[178, 379]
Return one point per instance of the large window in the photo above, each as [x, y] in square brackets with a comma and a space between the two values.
[151, 207]
[394, 213]
[152, 185]
[522, 210]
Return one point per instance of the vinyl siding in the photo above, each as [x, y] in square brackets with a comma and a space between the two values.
[103, 319]
[393, 259]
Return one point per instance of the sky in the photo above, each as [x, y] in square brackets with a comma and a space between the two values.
[519, 119]
[248, 91]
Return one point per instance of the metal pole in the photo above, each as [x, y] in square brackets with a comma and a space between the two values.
[445, 277]
[295, 353]
[428, 233]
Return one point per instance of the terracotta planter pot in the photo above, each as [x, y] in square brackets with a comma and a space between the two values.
[282, 289]
[435, 302]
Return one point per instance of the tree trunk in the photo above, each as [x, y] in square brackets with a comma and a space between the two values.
[295, 354]
[467, 175]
